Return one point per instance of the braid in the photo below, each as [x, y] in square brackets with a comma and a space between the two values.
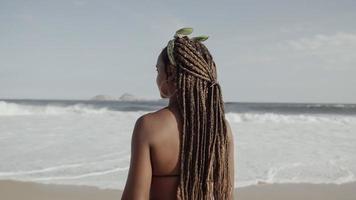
[204, 147]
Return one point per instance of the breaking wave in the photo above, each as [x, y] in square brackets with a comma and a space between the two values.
[14, 109]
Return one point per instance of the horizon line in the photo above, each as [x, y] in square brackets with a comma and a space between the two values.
[226, 102]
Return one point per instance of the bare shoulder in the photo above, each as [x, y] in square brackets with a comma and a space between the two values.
[150, 124]
[160, 118]
[155, 117]
[143, 128]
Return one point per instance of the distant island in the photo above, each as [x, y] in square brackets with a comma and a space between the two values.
[123, 97]
[102, 97]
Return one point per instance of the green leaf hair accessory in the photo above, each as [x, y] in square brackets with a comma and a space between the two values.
[183, 32]
[200, 38]
[170, 47]
[179, 34]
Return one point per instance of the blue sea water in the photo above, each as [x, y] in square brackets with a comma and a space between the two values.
[88, 142]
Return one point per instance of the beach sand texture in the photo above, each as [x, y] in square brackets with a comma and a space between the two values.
[16, 190]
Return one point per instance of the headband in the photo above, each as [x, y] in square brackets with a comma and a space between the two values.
[179, 34]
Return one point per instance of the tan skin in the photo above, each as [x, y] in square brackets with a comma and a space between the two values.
[155, 147]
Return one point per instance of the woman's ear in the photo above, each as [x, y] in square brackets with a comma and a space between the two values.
[171, 72]
[172, 81]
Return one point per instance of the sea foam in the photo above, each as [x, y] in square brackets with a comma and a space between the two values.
[88, 143]
[14, 109]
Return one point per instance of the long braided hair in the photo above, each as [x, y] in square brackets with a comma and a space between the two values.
[204, 147]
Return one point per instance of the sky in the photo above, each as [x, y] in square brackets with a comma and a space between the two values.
[265, 51]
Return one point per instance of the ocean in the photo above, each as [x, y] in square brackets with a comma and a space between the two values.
[88, 142]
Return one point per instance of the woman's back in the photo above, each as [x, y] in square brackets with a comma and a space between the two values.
[185, 150]
[164, 153]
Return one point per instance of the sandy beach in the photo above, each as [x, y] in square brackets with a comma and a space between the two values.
[302, 191]
[16, 190]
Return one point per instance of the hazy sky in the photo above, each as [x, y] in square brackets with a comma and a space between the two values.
[275, 51]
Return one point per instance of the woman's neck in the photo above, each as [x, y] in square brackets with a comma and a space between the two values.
[173, 105]
[173, 102]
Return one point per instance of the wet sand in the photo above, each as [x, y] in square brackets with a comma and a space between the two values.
[17, 190]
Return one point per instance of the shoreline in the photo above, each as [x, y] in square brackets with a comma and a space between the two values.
[20, 190]
[26, 190]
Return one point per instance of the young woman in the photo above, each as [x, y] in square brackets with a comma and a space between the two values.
[185, 150]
